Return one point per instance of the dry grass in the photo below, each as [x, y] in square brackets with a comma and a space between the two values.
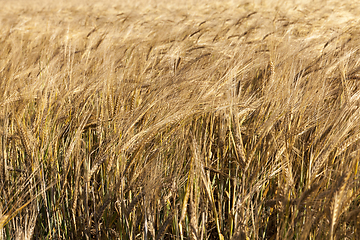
[163, 120]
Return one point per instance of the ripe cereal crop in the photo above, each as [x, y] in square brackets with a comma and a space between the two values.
[179, 119]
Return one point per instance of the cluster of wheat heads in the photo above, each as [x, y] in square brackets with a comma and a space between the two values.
[179, 121]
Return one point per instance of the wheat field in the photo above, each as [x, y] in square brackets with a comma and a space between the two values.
[179, 119]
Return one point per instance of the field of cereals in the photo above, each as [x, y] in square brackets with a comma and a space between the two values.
[179, 119]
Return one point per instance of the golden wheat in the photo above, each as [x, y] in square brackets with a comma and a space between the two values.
[179, 119]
